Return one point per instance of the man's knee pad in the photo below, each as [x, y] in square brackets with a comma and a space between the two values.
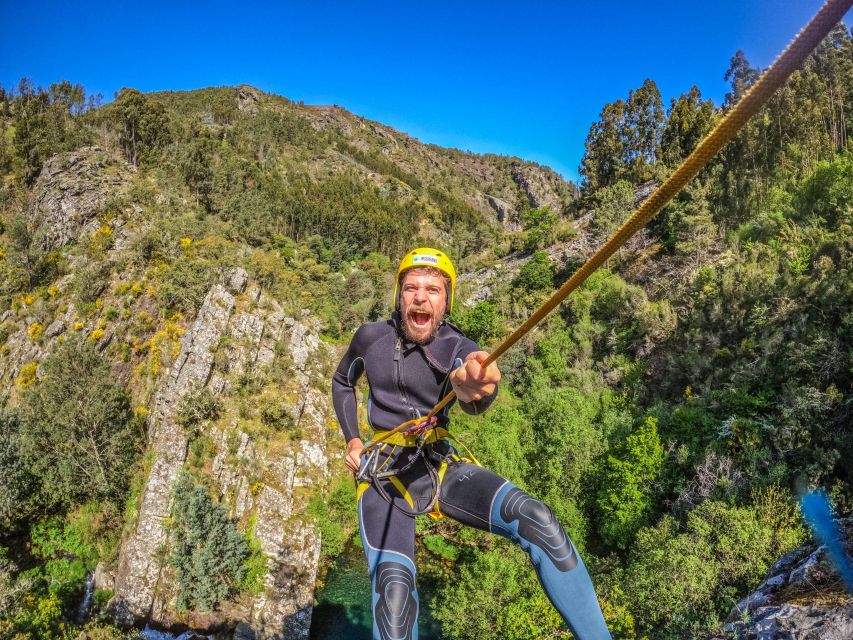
[396, 610]
[538, 526]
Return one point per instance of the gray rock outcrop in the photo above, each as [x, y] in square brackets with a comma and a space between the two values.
[137, 582]
[243, 332]
[71, 190]
[802, 598]
[248, 99]
[505, 212]
[539, 185]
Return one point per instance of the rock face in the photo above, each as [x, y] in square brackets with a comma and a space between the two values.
[248, 99]
[241, 331]
[505, 212]
[802, 598]
[139, 571]
[71, 191]
[539, 185]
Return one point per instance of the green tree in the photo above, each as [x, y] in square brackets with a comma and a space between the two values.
[538, 223]
[828, 194]
[741, 75]
[688, 120]
[197, 166]
[44, 123]
[605, 148]
[143, 125]
[77, 428]
[207, 550]
[16, 481]
[625, 494]
[644, 117]
[613, 205]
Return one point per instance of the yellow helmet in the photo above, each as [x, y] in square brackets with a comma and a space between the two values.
[427, 257]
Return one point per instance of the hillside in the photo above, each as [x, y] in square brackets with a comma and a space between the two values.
[181, 271]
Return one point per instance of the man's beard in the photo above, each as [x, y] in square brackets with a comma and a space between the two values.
[418, 334]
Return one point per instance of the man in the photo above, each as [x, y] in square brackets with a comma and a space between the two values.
[411, 361]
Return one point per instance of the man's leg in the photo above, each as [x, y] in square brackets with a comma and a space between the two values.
[388, 537]
[482, 499]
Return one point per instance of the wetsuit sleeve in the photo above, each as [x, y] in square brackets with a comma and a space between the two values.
[343, 385]
[479, 406]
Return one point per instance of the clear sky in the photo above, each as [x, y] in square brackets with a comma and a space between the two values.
[519, 78]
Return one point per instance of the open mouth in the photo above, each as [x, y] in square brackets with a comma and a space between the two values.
[420, 318]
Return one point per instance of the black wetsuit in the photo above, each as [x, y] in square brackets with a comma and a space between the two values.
[405, 381]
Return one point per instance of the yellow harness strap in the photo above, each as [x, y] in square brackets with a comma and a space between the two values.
[399, 486]
[402, 439]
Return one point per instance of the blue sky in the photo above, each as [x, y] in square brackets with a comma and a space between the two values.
[517, 78]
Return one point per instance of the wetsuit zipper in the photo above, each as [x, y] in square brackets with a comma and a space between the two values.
[398, 372]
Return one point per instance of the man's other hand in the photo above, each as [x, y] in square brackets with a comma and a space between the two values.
[473, 382]
[353, 459]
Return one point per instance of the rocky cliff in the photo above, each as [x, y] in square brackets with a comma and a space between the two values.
[255, 480]
[802, 598]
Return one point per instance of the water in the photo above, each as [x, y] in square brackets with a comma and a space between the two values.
[86, 603]
[343, 604]
[153, 634]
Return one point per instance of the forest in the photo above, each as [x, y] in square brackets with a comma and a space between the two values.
[670, 412]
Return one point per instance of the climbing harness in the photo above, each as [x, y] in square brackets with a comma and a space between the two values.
[415, 443]
[788, 61]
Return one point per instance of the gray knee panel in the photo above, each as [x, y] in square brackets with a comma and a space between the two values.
[538, 526]
[396, 610]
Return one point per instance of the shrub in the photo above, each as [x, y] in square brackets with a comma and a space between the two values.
[255, 563]
[682, 581]
[89, 282]
[27, 375]
[480, 323]
[35, 330]
[335, 516]
[625, 494]
[537, 274]
[441, 547]
[207, 551]
[495, 594]
[184, 283]
[197, 407]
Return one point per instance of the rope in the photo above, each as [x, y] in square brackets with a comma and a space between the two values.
[788, 61]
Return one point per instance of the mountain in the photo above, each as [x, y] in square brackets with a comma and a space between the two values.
[182, 270]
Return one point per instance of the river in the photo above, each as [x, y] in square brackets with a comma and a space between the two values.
[343, 603]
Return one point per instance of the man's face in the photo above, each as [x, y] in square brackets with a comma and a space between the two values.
[423, 302]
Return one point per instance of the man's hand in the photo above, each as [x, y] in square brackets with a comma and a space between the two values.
[471, 381]
[353, 459]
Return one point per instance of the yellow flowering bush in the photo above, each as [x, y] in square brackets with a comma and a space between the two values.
[35, 330]
[26, 375]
